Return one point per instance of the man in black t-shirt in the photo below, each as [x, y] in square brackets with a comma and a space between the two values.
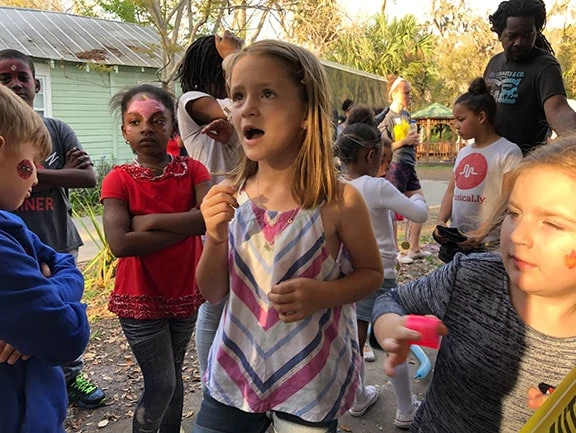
[525, 79]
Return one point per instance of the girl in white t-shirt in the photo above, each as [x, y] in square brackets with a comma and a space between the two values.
[203, 109]
[208, 137]
[360, 149]
[481, 167]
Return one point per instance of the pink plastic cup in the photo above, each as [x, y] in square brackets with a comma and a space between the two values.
[428, 329]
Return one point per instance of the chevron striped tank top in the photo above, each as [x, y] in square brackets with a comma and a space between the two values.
[258, 363]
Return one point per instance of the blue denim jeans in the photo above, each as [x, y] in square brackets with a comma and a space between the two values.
[206, 326]
[159, 347]
[215, 417]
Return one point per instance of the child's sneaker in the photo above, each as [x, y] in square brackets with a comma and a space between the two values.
[404, 421]
[84, 393]
[369, 353]
[420, 254]
[368, 399]
[404, 259]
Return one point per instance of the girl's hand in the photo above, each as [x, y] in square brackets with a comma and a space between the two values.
[536, 398]
[220, 130]
[10, 355]
[412, 139]
[228, 44]
[296, 299]
[218, 209]
[45, 269]
[142, 223]
[399, 339]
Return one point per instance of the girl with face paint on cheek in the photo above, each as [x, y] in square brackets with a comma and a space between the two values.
[511, 316]
[153, 225]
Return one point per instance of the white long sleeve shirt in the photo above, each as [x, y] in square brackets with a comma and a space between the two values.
[383, 198]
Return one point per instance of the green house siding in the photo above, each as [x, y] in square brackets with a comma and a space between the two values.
[80, 98]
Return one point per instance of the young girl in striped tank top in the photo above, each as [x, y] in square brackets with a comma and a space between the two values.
[293, 249]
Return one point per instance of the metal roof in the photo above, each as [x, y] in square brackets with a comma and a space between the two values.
[59, 36]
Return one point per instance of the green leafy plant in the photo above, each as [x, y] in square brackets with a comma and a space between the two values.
[82, 199]
[99, 273]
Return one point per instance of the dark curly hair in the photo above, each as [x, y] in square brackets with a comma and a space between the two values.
[522, 8]
[201, 68]
[478, 99]
[361, 132]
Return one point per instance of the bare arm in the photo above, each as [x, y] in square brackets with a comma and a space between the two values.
[66, 178]
[204, 110]
[559, 115]
[126, 243]
[446, 205]
[188, 223]
[76, 173]
[212, 272]
[298, 298]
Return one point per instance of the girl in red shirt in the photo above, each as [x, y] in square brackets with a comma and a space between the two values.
[153, 224]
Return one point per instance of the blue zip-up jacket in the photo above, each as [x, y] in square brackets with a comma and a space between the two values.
[41, 317]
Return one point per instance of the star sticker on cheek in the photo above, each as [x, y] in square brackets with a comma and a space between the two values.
[570, 260]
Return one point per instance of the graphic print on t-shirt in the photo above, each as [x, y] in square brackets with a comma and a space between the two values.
[471, 171]
[504, 86]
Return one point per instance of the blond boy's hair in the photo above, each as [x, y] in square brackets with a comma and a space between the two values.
[314, 175]
[19, 124]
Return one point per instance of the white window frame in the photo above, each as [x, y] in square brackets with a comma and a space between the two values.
[43, 75]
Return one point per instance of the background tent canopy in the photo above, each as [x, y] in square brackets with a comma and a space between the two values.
[433, 111]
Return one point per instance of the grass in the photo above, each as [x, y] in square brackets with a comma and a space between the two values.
[442, 172]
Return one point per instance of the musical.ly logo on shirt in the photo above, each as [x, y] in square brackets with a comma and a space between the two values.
[471, 171]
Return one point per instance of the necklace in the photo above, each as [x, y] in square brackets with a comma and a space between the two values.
[274, 222]
[155, 168]
[275, 225]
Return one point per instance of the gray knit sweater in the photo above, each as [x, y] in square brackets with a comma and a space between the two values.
[490, 357]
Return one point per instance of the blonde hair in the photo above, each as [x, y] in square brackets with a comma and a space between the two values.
[19, 124]
[559, 155]
[315, 175]
[394, 82]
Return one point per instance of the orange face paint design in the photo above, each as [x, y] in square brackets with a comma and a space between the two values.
[570, 260]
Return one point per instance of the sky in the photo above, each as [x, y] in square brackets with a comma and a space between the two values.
[419, 8]
[398, 8]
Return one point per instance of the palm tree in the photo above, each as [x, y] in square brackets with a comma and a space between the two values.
[400, 46]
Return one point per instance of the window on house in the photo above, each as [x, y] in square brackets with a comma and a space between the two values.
[43, 99]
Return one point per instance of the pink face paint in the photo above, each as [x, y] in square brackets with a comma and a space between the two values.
[570, 260]
[25, 169]
[146, 107]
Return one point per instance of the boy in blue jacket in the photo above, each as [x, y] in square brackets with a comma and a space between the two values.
[42, 322]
